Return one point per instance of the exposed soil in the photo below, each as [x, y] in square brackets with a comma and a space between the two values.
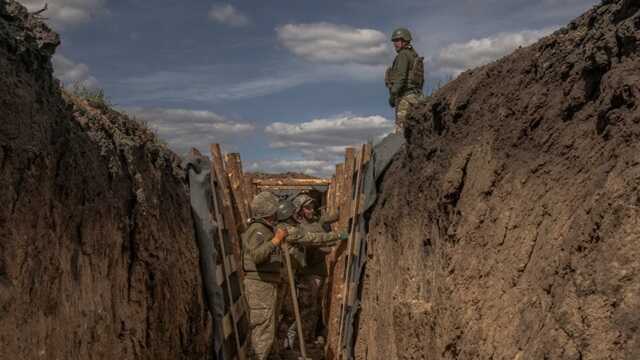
[509, 228]
[97, 253]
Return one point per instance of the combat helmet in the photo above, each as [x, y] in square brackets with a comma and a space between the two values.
[401, 33]
[301, 200]
[285, 210]
[264, 205]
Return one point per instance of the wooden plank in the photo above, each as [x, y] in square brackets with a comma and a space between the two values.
[249, 189]
[337, 199]
[337, 259]
[349, 168]
[236, 178]
[284, 187]
[291, 182]
[350, 245]
[218, 189]
[227, 209]
[219, 275]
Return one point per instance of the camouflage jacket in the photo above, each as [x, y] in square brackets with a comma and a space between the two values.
[399, 72]
[261, 259]
[302, 238]
[314, 256]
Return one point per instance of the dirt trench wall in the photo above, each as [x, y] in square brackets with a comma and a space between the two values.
[509, 228]
[97, 254]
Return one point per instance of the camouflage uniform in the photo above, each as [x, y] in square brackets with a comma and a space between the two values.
[264, 281]
[402, 94]
[264, 287]
[311, 277]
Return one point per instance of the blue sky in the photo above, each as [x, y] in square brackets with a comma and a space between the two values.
[288, 84]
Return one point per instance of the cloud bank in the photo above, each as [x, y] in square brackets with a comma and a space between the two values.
[334, 44]
[458, 57]
[73, 74]
[63, 13]
[227, 14]
[183, 129]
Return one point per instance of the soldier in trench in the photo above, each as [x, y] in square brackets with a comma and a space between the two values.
[405, 78]
[311, 277]
[265, 273]
[264, 280]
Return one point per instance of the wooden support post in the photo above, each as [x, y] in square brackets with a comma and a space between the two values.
[249, 190]
[355, 210]
[216, 189]
[227, 208]
[236, 179]
[347, 189]
[337, 199]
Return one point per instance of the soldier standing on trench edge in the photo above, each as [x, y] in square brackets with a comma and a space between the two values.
[405, 78]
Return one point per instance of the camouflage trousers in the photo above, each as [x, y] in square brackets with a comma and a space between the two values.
[265, 301]
[309, 292]
[403, 105]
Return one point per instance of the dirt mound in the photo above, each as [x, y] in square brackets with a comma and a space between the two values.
[97, 254]
[509, 227]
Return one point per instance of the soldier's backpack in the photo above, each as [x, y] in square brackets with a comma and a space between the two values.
[416, 74]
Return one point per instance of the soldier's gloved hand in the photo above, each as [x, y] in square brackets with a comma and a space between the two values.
[343, 236]
[392, 101]
[278, 238]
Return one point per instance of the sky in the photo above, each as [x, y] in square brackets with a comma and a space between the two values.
[287, 84]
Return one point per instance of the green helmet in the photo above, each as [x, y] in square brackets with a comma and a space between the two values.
[301, 200]
[285, 210]
[264, 205]
[401, 33]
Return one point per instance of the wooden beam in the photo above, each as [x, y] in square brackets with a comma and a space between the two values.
[218, 190]
[282, 187]
[355, 211]
[227, 209]
[236, 178]
[250, 191]
[291, 182]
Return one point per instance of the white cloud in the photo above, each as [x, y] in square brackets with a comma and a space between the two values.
[335, 44]
[71, 73]
[320, 143]
[458, 57]
[67, 12]
[228, 15]
[186, 128]
[342, 130]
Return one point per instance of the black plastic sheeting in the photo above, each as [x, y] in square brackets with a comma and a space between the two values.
[381, 156]
[198, 170]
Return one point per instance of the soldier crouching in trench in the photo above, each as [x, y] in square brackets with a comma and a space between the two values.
[405, 78]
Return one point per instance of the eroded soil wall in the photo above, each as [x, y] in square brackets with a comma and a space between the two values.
[509, 227]
[97, 254]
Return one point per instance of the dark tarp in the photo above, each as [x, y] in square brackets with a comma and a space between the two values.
[198, 171]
